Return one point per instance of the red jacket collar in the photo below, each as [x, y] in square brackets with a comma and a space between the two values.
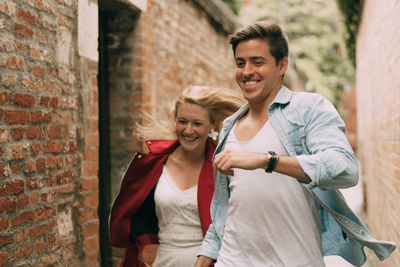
[168, 146]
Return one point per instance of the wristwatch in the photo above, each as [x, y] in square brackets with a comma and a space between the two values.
[273, 158]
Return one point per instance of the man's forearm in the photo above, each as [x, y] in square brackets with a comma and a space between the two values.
[203, 261]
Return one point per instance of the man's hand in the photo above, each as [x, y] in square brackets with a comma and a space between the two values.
[203, 261]
[229, 159]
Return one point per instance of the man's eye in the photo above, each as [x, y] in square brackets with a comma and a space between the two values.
[181, 121]
[198, 124]
[259, 62]
[239, 64]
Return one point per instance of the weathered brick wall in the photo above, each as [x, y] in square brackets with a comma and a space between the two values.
[378, 105]
[153, 55]
[48, 138]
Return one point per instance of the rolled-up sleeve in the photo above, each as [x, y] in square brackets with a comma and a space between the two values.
[330, 162]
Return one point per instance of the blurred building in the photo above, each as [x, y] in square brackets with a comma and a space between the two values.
[378, 109]
[74, 75]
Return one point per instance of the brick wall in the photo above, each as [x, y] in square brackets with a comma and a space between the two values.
[378, 105]
[155, 54]
[48, 138]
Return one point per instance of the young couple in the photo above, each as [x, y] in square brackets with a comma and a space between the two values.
[267, 195]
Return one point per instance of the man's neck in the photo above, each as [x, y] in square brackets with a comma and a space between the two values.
[259, 110]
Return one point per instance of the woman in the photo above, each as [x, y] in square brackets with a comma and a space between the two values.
[165, 194]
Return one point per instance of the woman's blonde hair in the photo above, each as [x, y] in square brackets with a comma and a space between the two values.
[219, 102]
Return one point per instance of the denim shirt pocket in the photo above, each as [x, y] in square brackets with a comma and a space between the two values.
[297, 135]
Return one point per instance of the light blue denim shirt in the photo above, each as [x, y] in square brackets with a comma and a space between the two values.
[312, 131]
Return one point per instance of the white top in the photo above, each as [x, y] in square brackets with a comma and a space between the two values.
[271, 220]
[180, 232]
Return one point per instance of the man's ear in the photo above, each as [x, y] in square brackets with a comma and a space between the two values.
[283, 65]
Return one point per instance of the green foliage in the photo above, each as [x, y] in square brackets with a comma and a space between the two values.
[350, 10]
[234, 5]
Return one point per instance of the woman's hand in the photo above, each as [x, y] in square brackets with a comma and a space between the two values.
[148, 254]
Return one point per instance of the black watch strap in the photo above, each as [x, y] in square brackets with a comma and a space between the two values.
[272, 160]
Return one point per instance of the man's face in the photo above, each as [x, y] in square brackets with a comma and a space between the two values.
[256, 71]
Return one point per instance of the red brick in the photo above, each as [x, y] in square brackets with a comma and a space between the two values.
[24, 100]
[34, 183]
[12, 188]
[4, 135]
[90, 169]
[30, 166]
[5, 98]
[70, 147]
[36, 117]
[17, 116]
[62, 117]
[7, 204]
[23, 30]
[91, 155]
[40, 164]
[15, 62]
[54, 131]
[4, 170]
[36, 147]
[4, 224]
[32, 84]
[23, 251]
[48, 197]
[8, 81]
[23, 201]
[54, 102]
[91, 140]
[91, 244]
[38, 71]
[3, 258]
[35, 198]
[35, 132]
[90, 230]
[17, 168]
[21, 48]
[4, 240]
[39, 230]
[1, 114]
[45, 6]
[86, 216]
[18, 151]
[64, 178]
[40, 55]
[52, 242]
[51, 163]
[88, 185]
[22, 235]
[25, 217]
[50, 180]
[44, 101]
[53, 87]
[52, 147]
[28, 17]
[40, 247]
[17, 133]
[44, 214]
[41, 36]
[91, 200]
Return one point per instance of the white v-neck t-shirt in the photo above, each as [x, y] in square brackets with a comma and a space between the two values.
[180, 232]
[271, 221]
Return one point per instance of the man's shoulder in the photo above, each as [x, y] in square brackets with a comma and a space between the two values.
[308, 99]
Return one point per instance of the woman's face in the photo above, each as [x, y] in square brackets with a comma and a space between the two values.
[192, 126]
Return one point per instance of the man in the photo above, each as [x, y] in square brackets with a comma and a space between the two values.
[279, 163]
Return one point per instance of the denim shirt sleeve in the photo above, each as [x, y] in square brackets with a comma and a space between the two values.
[210, 245]
[330, 162]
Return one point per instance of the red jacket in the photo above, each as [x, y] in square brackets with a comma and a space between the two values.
[133, 222]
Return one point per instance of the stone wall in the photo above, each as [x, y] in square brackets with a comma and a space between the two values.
[378, 109]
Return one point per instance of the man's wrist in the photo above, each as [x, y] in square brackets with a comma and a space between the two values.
[273, 159]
